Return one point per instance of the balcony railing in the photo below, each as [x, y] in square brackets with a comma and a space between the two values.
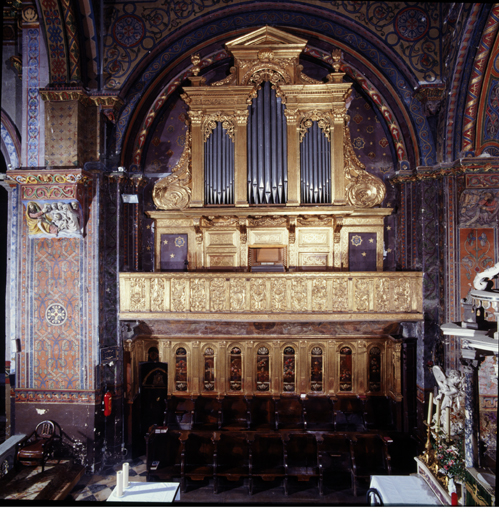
[300, 296]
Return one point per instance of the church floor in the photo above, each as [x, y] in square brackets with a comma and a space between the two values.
[62, 481]
[99, 487]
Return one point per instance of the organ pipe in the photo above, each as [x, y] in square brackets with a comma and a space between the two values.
[315, 164]
[267, 148]
[219, 167]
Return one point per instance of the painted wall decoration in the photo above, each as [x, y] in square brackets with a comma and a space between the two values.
[135, 29]
[167, 141]
[477, 253]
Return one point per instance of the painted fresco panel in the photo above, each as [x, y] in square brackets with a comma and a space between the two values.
[476, 254]
[56, 314]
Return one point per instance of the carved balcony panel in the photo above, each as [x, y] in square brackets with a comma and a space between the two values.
[243, 296]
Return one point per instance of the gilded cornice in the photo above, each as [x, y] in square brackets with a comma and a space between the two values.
[457, 168]
[38, 177]
[78, 94]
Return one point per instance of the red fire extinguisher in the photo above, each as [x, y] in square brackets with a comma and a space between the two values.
[108, 403]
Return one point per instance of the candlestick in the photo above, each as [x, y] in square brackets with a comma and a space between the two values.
[430, 408]
[119, 484]
[447, 422]
[126, 468]
[439, 412]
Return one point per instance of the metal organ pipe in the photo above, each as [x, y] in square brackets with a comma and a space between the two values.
[267, 148]
[219, 167]
[315, 164]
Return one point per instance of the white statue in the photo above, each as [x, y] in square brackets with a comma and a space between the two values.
[482, 278]
[451, 394]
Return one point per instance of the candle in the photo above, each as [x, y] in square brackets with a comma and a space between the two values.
[447, 421]
[430, 408]
[439, 411]
[126, 483]
[119, 484]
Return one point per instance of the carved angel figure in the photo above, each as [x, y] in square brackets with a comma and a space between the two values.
[451, 392]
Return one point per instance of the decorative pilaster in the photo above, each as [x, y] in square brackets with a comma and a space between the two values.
[241, 160]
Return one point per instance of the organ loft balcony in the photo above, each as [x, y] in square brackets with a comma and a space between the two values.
[297, 264]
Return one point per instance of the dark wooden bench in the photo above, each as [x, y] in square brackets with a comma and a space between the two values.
[318, 413]
[378, 414]
[266, 458]
[232, 457]
[197, 457]
[288, 413]
[349, 415]
[369, 457]
[335, 461]
[207, 413]
[300, 458]
[236, 413]
[180, 413]
[262, 413]
[163, 454]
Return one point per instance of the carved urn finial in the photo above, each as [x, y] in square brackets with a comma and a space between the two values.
[195, 59]
[336, 55]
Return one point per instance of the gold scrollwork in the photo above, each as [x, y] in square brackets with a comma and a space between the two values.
[158, 288]
[179, 294]
[238, 295]
[210, 123]
[278, 290]
[198, 294]
[258, 294]
[363, 189]
[299, 294]
[217, 294]
[323, 120]
[319, 295]
[173, 192]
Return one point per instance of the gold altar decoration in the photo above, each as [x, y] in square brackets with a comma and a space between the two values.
[269, 296]
[306, 349]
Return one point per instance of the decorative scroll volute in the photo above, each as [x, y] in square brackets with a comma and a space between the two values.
[362, 189]
[174, 191]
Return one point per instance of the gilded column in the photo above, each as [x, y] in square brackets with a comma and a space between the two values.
[337, 172]
[197, 198]
[241, 160]
[293, 158]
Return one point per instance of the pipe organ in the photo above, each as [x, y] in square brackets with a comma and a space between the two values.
[279, 225]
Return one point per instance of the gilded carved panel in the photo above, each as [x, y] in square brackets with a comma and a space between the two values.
[258, 294]
[198, 294]
[179, 294]
[238, 294]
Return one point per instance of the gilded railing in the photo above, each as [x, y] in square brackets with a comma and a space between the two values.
[300, 296]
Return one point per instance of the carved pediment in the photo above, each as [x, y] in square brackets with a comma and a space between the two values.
[266, 36]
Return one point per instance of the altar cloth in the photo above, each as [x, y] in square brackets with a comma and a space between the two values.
[147, 492]
[403, 490]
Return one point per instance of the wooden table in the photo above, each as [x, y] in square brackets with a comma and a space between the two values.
[147, 492]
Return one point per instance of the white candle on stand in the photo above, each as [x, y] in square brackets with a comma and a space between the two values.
[430, 408]
[126, 482]
[439, 412]
[447, 422]
[119, 484]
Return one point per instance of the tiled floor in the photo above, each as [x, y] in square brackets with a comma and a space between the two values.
[99, 488]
